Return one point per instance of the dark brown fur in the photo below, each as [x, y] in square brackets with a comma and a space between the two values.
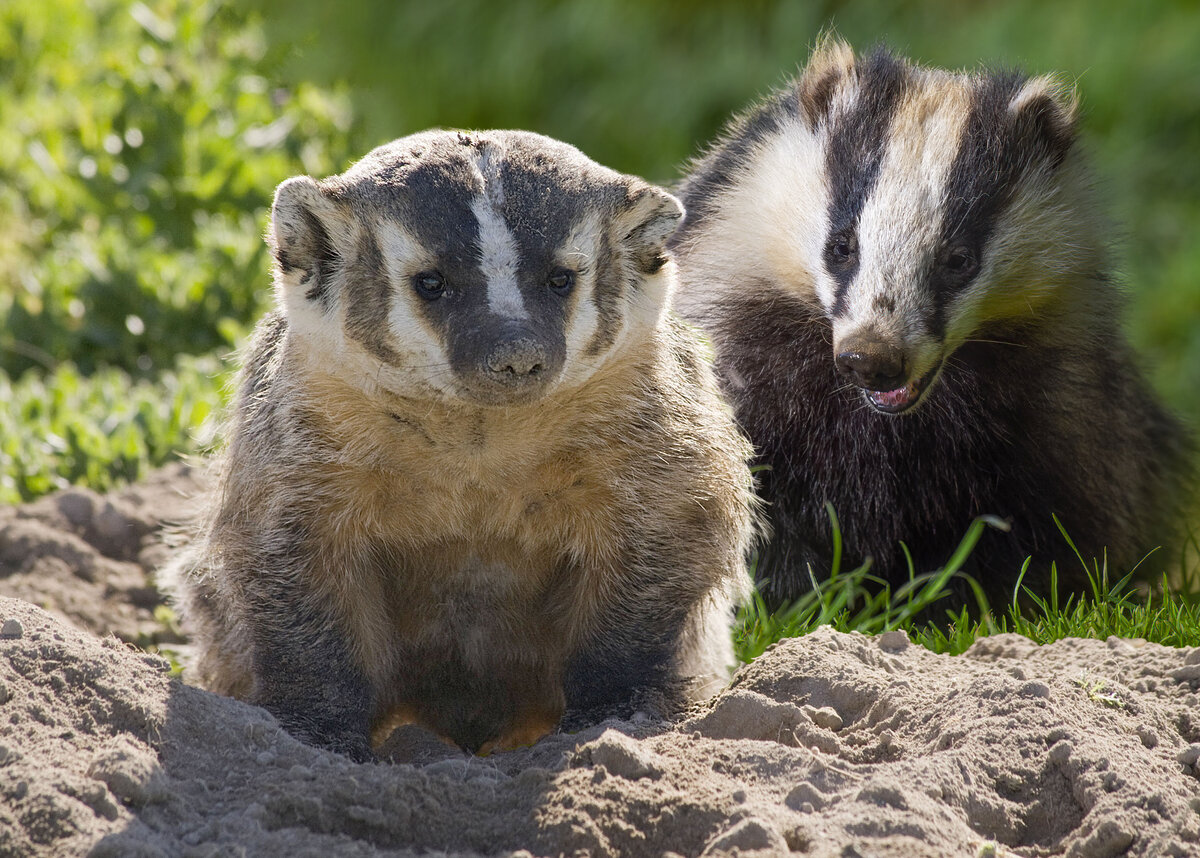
[1038, 409]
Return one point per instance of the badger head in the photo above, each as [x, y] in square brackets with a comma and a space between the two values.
[916, 208]
[491, 267]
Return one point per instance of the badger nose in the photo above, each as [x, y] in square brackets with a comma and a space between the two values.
[516, 360]
[873, 366]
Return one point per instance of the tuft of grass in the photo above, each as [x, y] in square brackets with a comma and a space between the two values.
[1098, 691]
[861, 602]
[857, 600]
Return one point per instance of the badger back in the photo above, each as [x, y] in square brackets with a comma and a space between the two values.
[911, 208]
[493, 267]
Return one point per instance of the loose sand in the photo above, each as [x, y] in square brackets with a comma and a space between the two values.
[828, 745]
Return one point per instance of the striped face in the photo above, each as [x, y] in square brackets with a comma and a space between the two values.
[492, 267]
[914, 206]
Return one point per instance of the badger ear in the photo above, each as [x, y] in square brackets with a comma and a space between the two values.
[831, 62]
[308, 232]
[1044, 113]
[649, 219]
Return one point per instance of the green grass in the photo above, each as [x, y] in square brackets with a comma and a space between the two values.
[860, 602]
[139, 149]
[103, 430]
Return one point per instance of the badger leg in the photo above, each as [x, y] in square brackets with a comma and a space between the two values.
[304, 673]
[630, 665]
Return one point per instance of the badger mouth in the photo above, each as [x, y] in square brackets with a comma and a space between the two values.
[497, 393]
[905, 398]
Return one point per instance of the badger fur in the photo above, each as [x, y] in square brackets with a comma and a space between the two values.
[476, 474]
[906, 280]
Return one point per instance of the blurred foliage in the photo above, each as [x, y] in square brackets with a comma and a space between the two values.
[138, 151]
[101, 430]
[640, 86]
[140, 143]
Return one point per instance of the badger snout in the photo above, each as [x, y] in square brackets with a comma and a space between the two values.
[873, 365]
[893, 378]
[516, 362]
[508, 364]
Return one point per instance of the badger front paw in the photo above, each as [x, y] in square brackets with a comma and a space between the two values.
[524, 730]
[324, 724]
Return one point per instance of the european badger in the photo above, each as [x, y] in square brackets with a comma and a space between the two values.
[476, 474]
[905, 276]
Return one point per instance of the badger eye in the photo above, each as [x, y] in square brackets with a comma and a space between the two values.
[961, 261]
[561, 281]
[430, 285]
[841, 248]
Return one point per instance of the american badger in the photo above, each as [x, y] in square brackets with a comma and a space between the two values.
[476, 474]
[905, 277]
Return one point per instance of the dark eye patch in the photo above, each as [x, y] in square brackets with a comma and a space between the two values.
[841, 251]
[961, 261]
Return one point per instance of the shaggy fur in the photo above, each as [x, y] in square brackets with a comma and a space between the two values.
[906, 279]
[476, 475]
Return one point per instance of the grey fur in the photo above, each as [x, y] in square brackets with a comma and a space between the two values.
[458, 489]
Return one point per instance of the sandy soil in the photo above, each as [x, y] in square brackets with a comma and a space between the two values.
[828, 745]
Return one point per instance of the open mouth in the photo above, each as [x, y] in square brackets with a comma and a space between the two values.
[902, 398]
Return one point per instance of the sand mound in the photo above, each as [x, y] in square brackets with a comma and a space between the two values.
[88, 558]
[828, 745]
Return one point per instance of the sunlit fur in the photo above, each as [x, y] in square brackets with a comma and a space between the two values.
[1019, 396]
[384, 546]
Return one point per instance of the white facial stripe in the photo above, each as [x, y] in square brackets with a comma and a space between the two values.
[498, 256]
[499, 261]
[771, 221]
[402, 253]
[901, 221]
[422, 358]
[579, 253]
[778, 186]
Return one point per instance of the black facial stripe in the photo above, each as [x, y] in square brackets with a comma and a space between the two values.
[541, 206]
[368, 298]
[997, 148]
[448, 230]
[537, 209]
[717, 170]
[856, 149]
[988, 164]
[934, 305]
[427, 187]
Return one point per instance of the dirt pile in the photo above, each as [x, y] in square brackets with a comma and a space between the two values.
[89, 558]
[828, 745]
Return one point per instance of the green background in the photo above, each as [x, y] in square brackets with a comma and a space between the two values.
[140, 144]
